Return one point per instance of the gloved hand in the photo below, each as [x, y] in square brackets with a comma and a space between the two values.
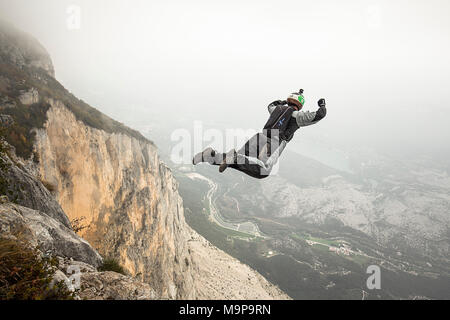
[322, 103]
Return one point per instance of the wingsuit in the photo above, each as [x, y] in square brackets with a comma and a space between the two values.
[261, 152]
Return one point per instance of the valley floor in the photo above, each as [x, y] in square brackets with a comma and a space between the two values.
[224, 277]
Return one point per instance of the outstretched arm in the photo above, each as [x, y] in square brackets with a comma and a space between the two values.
[307, 118]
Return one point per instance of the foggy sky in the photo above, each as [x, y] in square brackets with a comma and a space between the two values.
[383, 66]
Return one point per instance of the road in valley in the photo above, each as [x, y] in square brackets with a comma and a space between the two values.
[248, 227]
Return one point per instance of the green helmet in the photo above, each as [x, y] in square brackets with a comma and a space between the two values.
[297, 98]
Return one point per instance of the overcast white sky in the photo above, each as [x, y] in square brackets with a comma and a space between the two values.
[383, 66]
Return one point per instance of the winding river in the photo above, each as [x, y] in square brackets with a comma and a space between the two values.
[247, 227]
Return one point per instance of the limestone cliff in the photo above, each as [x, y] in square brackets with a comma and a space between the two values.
[36, 217]
[36, 214]
[127, 194]
[101, 170]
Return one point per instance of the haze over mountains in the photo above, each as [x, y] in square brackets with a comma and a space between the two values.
[382, 66]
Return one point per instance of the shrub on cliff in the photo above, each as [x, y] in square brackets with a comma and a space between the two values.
[3, 164]
[25, 275]
[7, 188]
[78, 224]
[111, 264]
[49, 186]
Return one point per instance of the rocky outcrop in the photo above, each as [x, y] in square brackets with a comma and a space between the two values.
[54, 239]
[114, 286]
[20, 49]
[26, 189]
[50, 235]
[29, 97]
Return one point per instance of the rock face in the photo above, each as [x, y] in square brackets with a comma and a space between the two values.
[29, 97]
[221, 277]
[50, 231]
[114, 286]
[53, 238]
[38, 214]
[51, 235]
[128, 196]
[28, 191]
[22, 50]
